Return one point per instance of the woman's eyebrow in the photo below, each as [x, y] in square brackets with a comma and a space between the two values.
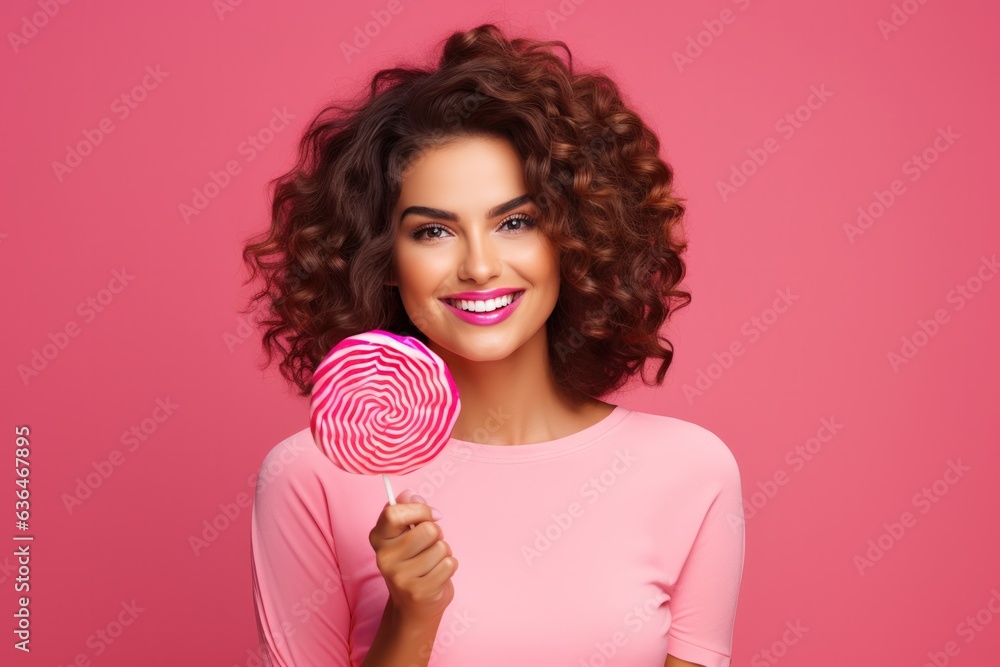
[453, 217]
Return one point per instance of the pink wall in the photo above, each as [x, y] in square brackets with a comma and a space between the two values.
[845, 455]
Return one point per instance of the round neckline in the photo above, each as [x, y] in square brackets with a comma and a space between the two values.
[536, 451]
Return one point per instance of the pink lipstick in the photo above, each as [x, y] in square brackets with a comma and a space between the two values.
[494, 316]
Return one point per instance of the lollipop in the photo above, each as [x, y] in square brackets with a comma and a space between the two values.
[382, 403]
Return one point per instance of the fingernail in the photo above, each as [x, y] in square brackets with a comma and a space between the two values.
[435, 514]
[417, 499]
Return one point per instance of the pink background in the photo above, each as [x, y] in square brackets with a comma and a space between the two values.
[172, 333]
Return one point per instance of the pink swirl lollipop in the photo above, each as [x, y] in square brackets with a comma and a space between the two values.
[382, 403]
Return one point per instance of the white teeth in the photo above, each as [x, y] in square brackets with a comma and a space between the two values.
[483, 306]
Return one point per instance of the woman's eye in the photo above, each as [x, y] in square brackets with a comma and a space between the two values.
[520, 218]
[519, 222]
[419, 234]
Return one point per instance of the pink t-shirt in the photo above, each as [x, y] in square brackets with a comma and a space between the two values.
[614, 545]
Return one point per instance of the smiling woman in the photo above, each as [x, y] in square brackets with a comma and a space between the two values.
[485, 283]
[514, 215]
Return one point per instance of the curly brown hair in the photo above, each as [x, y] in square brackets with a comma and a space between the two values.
[590, 164]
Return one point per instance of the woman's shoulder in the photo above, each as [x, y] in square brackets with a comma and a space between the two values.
[677, 439]
[295, 452]
[295, 471]
[293, 465]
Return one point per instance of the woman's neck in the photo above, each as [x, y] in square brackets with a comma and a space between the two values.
[516, 400]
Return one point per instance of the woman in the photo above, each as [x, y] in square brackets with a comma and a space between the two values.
[514, 215]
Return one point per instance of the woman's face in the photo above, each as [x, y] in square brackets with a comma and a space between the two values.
[465, 245]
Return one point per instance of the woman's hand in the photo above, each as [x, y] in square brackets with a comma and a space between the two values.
[416, 563]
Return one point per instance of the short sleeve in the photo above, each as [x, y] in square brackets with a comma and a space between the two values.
[302, 613]
[703, 604]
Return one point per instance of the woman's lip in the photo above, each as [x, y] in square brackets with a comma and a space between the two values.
[517, 295]
[494, 316]
[485, 295]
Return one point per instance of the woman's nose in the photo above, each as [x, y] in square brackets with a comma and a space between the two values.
[481, 259]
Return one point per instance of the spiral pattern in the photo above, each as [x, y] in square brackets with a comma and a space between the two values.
[382, 403]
